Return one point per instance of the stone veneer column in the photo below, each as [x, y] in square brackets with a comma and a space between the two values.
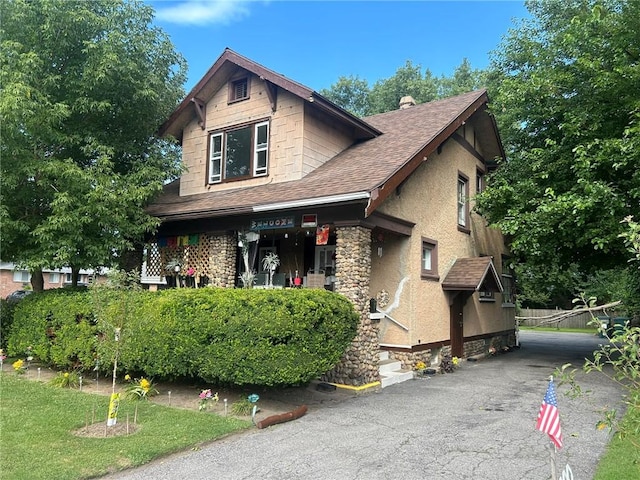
[223, 260]
[360, 364]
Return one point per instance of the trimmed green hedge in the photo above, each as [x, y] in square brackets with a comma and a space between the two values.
[230, 336]
[6, 318]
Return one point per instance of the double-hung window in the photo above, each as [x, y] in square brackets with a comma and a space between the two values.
[239, 153]
[463, 204]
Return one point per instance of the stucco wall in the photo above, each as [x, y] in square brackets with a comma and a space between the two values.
[429, 198]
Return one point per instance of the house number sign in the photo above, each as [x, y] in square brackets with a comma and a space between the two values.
[269, 223]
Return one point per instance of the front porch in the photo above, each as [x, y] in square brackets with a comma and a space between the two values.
[334, 257]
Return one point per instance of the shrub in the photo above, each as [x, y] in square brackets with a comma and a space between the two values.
[239, 336]
[6, 319]
[60, 327]
[226, 336]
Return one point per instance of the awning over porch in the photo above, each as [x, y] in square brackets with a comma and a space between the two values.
[473, 274]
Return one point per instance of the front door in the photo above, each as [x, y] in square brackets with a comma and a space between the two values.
[457, 339]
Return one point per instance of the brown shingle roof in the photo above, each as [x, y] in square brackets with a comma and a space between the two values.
[474, 273]
[370, 168]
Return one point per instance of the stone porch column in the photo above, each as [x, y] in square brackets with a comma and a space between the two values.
[222, 262]
[360, 364]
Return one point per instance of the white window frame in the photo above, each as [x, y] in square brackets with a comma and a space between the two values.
[54, 277]
[258, 148]
[462, 204]
[21, 276]
[217, 156]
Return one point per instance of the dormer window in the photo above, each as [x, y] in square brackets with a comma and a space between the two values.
[239, 89]
[239, 153]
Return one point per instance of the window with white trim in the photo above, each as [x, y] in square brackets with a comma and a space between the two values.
[463, 205]
[54, 277]
[239, 153]
[21, 276]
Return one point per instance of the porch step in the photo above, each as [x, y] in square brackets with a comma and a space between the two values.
[391, 371]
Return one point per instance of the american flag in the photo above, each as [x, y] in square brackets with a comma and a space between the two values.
[549, 418]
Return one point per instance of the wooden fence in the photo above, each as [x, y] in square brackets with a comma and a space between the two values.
[531, 317]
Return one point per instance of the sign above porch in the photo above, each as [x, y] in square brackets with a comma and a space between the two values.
[271, 223]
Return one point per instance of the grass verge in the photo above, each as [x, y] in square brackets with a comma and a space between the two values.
[621, 459]
[37, 422]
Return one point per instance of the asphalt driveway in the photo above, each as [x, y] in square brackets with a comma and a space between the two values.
[476, 423]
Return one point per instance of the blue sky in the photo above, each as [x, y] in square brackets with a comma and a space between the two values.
[316, 42]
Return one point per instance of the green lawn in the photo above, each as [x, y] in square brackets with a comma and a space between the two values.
[37, 421]
[621, 461]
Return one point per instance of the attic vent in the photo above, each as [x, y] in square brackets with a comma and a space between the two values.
[407, 102]
[239, 90]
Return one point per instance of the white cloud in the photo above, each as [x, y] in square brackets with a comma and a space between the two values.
[203, 12]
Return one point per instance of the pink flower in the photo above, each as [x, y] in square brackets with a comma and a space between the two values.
[205, 394]
[191, 271]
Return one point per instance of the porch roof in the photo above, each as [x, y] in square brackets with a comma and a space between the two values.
[366, 172]
[473, 274]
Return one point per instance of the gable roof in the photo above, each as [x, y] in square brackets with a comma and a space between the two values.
[473, 274]
[395, 144]
[225, 67]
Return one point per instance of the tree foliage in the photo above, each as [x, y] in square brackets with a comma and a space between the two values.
[565, 88]
[85, 85]
[355, 95]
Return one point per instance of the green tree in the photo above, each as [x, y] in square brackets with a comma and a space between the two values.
[465, 79]
[408, 80]
[565, 88]
[351, 93]
[85, 85]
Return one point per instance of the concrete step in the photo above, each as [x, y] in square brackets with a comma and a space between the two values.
[389, 365]
[391, 371]
[397, 376]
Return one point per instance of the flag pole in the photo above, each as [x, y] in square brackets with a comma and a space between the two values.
[552, 452]
[552, 456]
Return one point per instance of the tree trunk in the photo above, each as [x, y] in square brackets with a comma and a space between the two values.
[75, 275]
[37, 280]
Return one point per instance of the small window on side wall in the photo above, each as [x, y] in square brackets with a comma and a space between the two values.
[239, 90]
[463, 204]
[429, 259]
[479, 181]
